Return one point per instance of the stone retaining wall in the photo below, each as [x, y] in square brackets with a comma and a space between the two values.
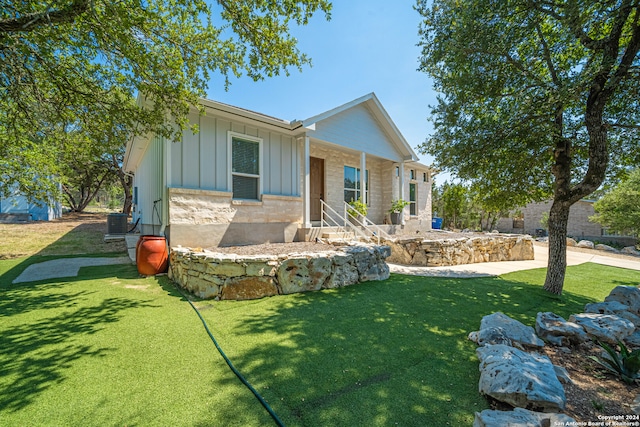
[232, 277]
[435, 253]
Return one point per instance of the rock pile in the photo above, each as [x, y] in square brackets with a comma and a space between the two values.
[458, 251]
[512, 372]
[229, 276]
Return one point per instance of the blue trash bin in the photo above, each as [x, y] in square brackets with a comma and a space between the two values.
[436, 223]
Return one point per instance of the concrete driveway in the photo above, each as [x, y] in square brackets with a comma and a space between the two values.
[541, 255]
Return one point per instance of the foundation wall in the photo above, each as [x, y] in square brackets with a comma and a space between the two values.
[204, 218]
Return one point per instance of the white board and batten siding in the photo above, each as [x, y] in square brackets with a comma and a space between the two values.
[200, 160]
[357, 129]
[149, 182]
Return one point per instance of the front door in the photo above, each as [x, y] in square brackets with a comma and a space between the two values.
[316, 184]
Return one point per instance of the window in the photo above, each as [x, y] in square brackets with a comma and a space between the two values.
[412, 174]
[352, 184]
[245, 165]
[424, 177]
[413, 208]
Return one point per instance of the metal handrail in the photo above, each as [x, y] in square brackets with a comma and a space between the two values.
[327, 214]
[373, 230]
[364, 229]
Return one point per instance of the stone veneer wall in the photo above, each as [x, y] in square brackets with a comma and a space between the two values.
[207, 218]
[233, 277]
[436, 253]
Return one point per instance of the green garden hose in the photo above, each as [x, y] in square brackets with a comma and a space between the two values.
[233, 368]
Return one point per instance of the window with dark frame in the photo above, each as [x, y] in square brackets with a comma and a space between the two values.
[352, 184]
[245, 170]
[413, 207]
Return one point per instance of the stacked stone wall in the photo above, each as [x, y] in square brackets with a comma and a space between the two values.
[436, 253]
[213, 275]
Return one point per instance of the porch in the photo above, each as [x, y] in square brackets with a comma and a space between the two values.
[333, 175]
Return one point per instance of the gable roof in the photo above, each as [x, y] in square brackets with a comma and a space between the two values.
[373, 104]
[137, 145]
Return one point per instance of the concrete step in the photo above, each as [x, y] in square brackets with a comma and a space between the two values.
[339, 235]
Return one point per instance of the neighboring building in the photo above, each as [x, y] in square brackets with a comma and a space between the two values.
[579, 226]
[250, 178]
[16, 208]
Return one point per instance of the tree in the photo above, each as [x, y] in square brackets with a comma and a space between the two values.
[538, 99]
[454, 200]
[63, 62]
[619, 209]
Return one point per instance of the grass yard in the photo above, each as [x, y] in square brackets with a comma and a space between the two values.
[111, 349]
[74, 233]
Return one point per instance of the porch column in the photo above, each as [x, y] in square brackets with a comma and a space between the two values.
[363, 176]
[307, 184]
[401, 189]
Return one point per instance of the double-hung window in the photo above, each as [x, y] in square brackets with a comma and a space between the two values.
[352, 190]
[413, 207]
[246, 166]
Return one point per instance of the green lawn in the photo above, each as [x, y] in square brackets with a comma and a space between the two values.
[111, 349]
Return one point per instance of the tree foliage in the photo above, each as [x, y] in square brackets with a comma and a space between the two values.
[465, 207]
[65, 62]
[619, 209]
[537, 99]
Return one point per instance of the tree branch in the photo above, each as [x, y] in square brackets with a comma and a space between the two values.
[31, 21]
[547, 57]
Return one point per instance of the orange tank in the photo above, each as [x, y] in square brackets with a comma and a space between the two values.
[151, 255]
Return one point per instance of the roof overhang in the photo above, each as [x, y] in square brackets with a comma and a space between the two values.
[381, 115]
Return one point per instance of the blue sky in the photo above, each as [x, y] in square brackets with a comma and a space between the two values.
[367, 46]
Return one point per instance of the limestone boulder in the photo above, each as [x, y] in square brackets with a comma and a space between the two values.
[343, 275]
[369, 261]
[606, 248]
[246, 288]
[293, 276]
[571, 242]
[522, 249]
[562, 374]
[399, 254]
[512, 329]
[627, 295]
[490, 336]
[519, 378]
[604, 327]
[520, 417]
[588, 244]
[615, 308]
[227, 269]
[633, 340]
[557, 331]
[630, 250]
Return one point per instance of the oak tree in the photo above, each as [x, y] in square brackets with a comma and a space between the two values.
[538, 98]
[65, 62]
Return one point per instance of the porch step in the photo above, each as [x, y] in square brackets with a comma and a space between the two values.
[339, 235]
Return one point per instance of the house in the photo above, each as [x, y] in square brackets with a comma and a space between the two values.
[17, 208]
[579, 227]
[248, 178]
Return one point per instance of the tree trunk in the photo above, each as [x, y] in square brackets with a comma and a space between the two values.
[126, 181]
[556, 268]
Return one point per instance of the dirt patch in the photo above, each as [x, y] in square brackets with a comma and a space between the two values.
[275, 248]
[74, 233]
[594, 391]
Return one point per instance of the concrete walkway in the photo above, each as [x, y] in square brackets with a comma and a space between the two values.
[64, 267]
[489, 269]
[69, 267]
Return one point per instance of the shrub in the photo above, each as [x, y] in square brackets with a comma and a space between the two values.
[624, 364]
